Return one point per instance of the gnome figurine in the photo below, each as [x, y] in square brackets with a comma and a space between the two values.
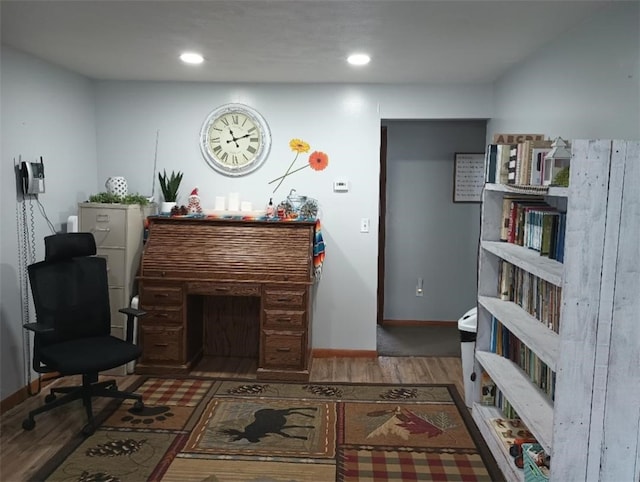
[194, 202]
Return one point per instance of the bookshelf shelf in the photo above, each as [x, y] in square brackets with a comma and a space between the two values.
[482, 415]
[548, 269]
[544, 342]
[534, 408]
[593, 360]
[554, 191]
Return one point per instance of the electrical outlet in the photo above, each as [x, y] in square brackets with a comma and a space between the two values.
[364, 225]
[419, 290]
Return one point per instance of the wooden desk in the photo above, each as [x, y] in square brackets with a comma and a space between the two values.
[226, 287]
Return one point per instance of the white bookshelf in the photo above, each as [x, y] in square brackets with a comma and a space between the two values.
[586, 430]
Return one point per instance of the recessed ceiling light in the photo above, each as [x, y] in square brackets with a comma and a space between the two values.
[191, 58]
[358, 59]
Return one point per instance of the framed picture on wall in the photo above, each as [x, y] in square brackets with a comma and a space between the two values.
[468, 177]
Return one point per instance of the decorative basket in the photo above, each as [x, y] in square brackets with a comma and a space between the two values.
[298, 207]
[532, 473]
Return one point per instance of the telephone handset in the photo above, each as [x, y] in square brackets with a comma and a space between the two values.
[32, 177]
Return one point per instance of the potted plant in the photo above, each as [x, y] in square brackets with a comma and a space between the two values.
[169, 186]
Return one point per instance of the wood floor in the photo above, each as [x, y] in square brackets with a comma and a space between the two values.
[22, 452]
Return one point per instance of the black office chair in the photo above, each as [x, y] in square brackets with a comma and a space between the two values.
[73, 324]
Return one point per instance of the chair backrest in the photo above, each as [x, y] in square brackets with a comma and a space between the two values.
[70, 289]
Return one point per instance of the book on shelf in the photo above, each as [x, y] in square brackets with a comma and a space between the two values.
[538, 297]
[517, 163]
[503, 154]
[513, 164]
[512, 348]
[516, 218]
[527, 160]
[490, 163]
[548, 221]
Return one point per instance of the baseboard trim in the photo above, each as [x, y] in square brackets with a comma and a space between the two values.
[417, 323]
[22, 394]
[331, 353]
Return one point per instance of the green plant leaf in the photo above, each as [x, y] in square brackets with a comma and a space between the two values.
[169, 185]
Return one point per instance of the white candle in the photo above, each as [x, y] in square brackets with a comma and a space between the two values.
[220, 203]
[245, 206]
[234, 201]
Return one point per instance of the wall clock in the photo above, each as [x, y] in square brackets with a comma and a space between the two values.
[235, 139]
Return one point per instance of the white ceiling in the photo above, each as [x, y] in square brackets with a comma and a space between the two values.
[289, 41]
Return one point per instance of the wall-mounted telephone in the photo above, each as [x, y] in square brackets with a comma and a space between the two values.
[32, 177]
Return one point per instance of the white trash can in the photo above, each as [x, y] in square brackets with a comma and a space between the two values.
[468, 327]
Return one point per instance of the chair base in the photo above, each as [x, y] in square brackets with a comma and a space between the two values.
[90, 388]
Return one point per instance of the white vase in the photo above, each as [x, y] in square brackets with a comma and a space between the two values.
[117, 185]
[165, 207]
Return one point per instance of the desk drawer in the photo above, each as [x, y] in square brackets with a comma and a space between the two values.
[162, 343]
[222, 289]
[169, 314]
[285, 298]
[107, 225]
[153, 295]
[282, 350]
[282, 319]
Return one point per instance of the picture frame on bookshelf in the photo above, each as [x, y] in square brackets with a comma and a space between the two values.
[468, 177]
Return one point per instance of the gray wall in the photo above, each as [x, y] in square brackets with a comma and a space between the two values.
[583, 86]
[428, 235]
[50, 112]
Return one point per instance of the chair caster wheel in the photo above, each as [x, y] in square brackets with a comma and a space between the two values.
[50, 398]
[88, 429]
[28, 423]
[138, 406]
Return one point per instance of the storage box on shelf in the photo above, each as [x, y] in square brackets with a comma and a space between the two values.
[522, 342]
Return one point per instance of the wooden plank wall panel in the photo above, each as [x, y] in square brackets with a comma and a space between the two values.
[231, 326]
[584, 249]
[621, 425]
[605, 312]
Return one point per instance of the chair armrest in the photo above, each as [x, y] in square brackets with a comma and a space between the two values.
[38, 328]
[131, 314]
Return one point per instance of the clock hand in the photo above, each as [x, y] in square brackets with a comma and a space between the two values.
[234, 138]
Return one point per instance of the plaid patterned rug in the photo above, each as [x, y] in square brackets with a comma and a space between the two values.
[230, 431]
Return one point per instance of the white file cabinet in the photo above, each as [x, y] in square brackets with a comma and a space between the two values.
[118, 230]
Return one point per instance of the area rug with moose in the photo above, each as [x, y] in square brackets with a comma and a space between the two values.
[205, 430]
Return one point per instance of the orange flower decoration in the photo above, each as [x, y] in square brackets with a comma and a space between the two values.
[318, 161]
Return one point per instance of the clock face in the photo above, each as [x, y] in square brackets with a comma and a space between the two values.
[235, 139]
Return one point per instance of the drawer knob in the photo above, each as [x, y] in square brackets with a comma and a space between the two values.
[161, 345]
[284, 319]
[161, 295]
[284, 300]
[283, 349]
[101, 230]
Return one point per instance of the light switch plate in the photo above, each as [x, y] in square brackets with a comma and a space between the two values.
[364, 225]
